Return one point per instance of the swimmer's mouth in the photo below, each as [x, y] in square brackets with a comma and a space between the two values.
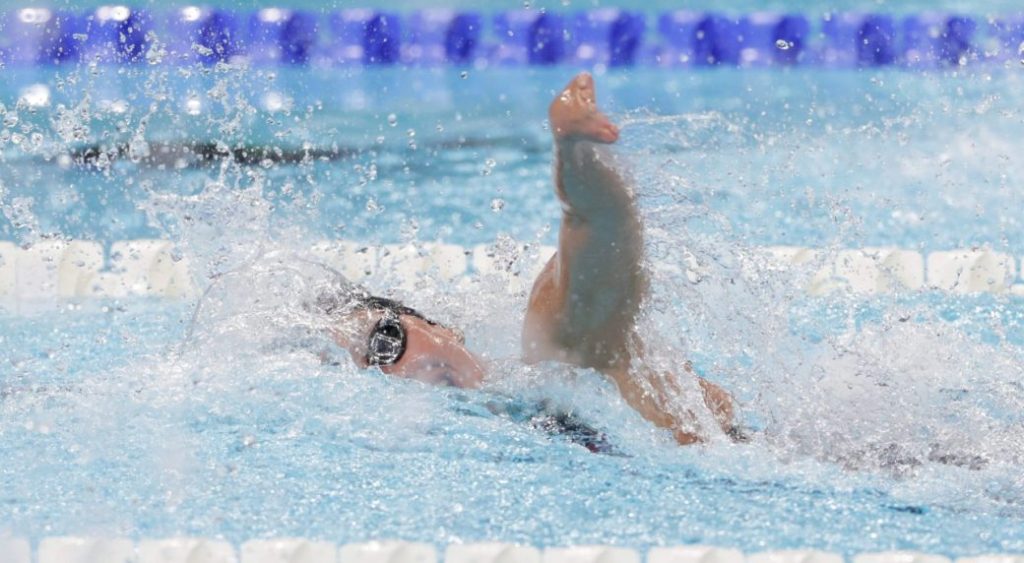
[442, 374]
[436, 373]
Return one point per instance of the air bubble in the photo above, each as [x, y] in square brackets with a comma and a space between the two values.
[1020, 51]
[464, 74]
[392, 119]
[783, 45]
[497, 204]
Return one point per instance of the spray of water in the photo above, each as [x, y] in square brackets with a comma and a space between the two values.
[905, 401]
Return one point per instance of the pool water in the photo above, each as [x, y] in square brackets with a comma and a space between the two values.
[916, 160]
[893, 422]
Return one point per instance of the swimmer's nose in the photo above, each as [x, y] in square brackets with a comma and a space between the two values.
[466, 370]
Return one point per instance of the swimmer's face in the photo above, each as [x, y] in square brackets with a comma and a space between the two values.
[433, 353]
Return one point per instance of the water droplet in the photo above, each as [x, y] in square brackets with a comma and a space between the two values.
[464, 74]
[497, 204]
[35, 96]
[783, 45]
[392, 119]
[193, 106]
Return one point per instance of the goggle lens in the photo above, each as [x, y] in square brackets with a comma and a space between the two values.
[387, 343]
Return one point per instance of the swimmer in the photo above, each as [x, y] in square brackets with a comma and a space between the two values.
[583, 307]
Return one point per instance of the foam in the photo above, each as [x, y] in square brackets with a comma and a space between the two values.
[8, 268]
[590, 554]
[491, 553]
[971, 271]
[795, 556]
[300, 550]
[899, 557]
[694, 554]
[150, 268]
[85, 550]
[290, 550]
[185, 550]
[387, 552]
[15, 550]
[60, 268]
[880, 270]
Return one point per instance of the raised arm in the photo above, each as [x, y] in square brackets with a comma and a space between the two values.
[584, 303]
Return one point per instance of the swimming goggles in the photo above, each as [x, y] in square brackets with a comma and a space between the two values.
[387, 341]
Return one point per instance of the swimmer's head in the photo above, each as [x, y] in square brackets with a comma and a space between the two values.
[399, 340]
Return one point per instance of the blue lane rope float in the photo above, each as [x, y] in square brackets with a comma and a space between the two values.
[607, 36]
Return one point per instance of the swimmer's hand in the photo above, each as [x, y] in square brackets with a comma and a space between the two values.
[574, 115]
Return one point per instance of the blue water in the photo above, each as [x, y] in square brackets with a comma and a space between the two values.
[106, 430]
[891, 423]
[920, 160]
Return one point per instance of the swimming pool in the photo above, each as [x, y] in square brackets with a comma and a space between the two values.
[890, 421]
